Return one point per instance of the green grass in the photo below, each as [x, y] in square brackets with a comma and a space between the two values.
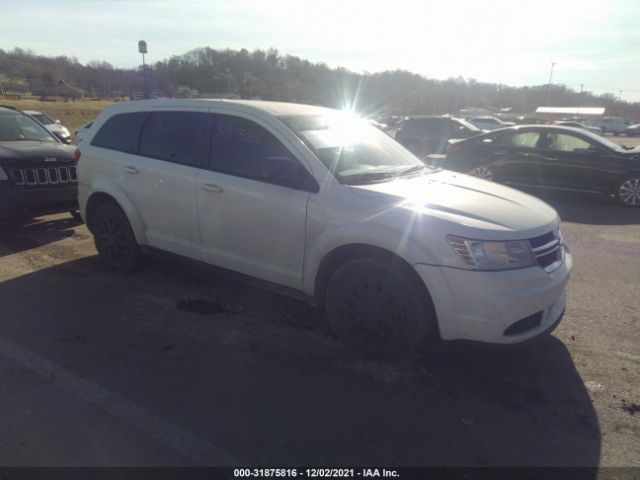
[71, 114]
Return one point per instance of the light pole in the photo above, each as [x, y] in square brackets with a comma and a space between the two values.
[553, 64]
[142, 48]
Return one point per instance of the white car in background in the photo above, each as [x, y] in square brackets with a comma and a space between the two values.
[615, 125]
[489, 123]
[50, 124]
[319, 203]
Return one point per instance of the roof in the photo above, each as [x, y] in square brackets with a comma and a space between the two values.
[32, 112]
[271, 108]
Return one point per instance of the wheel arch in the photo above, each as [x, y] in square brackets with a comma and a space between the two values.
[344, 253]
[104, 191]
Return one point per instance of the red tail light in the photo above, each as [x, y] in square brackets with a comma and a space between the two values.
[76, 155]
[454, 148]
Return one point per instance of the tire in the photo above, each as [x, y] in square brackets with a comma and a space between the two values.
[627, 191]
[377, 309]
[482, 172]
[114, 238]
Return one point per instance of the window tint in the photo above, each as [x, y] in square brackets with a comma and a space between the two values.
[520, 140]
[566, 143]
[121, 132]
[175, 137]
[242, 148]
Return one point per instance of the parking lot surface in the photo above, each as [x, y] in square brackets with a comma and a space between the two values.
[178, 365]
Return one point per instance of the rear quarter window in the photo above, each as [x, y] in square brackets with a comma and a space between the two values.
[121, 132]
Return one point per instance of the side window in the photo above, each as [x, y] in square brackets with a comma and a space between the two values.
[563, 142]
[518, 140]
[177, 137]
[243, 148]
[121, 132]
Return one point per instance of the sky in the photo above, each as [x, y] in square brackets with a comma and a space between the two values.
[593, 43]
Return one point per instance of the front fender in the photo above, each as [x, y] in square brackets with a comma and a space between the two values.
[110, 188]
[360, 234]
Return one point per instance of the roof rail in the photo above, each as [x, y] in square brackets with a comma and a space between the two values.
[9, 107]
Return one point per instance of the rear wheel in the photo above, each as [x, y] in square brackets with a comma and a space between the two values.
[628, 191]
[375, 308]
[114, 238]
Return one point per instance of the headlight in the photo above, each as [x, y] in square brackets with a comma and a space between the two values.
[3, 175]
[486, 255]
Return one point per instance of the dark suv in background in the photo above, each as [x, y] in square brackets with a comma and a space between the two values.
[426, 135]
[37, 171]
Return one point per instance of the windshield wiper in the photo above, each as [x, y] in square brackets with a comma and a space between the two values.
[416, 168]
[368, 177]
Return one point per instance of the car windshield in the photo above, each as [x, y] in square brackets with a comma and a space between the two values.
[43, 118]
[15, 127]
[354, 151]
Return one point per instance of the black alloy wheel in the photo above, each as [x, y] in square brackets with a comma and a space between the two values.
[376, 309]
[114, 238]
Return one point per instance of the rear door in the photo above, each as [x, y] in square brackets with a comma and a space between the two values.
[161, 180]
[252, 202]
[512, 157]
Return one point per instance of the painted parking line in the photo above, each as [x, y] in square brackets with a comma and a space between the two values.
[200, 450]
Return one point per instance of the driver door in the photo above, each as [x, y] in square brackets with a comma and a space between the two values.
[252, 202]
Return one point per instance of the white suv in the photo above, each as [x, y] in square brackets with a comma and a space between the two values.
[319, 202]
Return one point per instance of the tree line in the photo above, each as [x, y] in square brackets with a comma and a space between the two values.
[269, 75]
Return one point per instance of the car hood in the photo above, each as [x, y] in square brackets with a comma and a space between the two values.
[480, 205]
[29, 150]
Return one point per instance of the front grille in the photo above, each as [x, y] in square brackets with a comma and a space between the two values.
[547, 248]
[44, 175]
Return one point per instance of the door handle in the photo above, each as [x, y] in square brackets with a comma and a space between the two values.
[129, 169]
[212, 187]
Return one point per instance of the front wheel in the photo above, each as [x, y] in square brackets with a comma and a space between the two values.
[628, 191]
[114, 238]
[375, 308]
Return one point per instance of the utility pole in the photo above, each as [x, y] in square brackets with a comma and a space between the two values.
[553, 64]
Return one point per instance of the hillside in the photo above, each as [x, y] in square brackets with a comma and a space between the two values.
[271, 76]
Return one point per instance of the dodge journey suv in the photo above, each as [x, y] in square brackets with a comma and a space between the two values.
[319, 202]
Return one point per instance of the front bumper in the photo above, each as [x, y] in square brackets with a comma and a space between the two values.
[31, 202]
[481, 306]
